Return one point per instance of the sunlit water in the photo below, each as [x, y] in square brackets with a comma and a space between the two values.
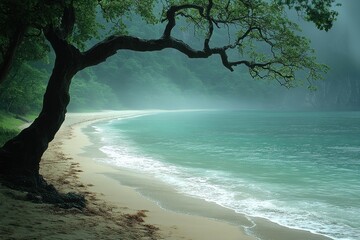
[298, 169]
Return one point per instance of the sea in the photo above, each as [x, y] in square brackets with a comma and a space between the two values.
[298, 169]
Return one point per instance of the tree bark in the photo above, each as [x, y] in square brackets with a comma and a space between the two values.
[20, 156]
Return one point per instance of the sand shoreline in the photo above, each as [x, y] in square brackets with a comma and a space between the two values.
[172, 225]
[68, 165]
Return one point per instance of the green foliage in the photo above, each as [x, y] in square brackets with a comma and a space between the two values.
[6, 134]
[89, 93]
[257, 32]
[86, 26]
[21, 38]
[114, 10]
[321, 12]
[33, 49]
[23, 90]
[9, 126]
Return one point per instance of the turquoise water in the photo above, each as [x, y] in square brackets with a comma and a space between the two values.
[298, 169]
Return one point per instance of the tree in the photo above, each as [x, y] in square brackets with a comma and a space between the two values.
[20, 37]
[266, 43]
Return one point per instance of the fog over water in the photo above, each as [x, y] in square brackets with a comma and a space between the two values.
[297, 169]
[339, 49]
[168, 79]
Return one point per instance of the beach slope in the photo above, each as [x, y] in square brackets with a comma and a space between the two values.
[113, 211]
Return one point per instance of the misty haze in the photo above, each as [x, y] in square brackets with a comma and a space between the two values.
[180, 119]
[170, 80]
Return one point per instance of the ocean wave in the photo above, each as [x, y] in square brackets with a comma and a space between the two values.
[237, 194]
[303, 183]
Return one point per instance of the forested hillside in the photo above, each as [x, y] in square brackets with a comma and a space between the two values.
[139, 80]
[170, 80]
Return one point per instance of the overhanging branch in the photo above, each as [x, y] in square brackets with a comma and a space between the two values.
[274, 66]
[101, 51]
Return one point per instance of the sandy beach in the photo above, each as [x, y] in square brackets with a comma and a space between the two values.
[115, 210]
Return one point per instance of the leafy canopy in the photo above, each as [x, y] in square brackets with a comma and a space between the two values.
[256, 34]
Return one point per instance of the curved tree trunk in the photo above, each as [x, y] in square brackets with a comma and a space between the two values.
[20, 156]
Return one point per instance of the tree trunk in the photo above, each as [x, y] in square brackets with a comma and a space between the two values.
[20, 156]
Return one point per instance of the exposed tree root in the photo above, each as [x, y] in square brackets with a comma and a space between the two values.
[39, 191]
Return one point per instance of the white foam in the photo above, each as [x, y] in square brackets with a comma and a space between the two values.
[346, 148]
[250, 198]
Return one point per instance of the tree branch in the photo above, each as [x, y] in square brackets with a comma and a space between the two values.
[101, 51]
[67, 21]
[210, 25]
[171, 13]
[59, 45]
[276, 64]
